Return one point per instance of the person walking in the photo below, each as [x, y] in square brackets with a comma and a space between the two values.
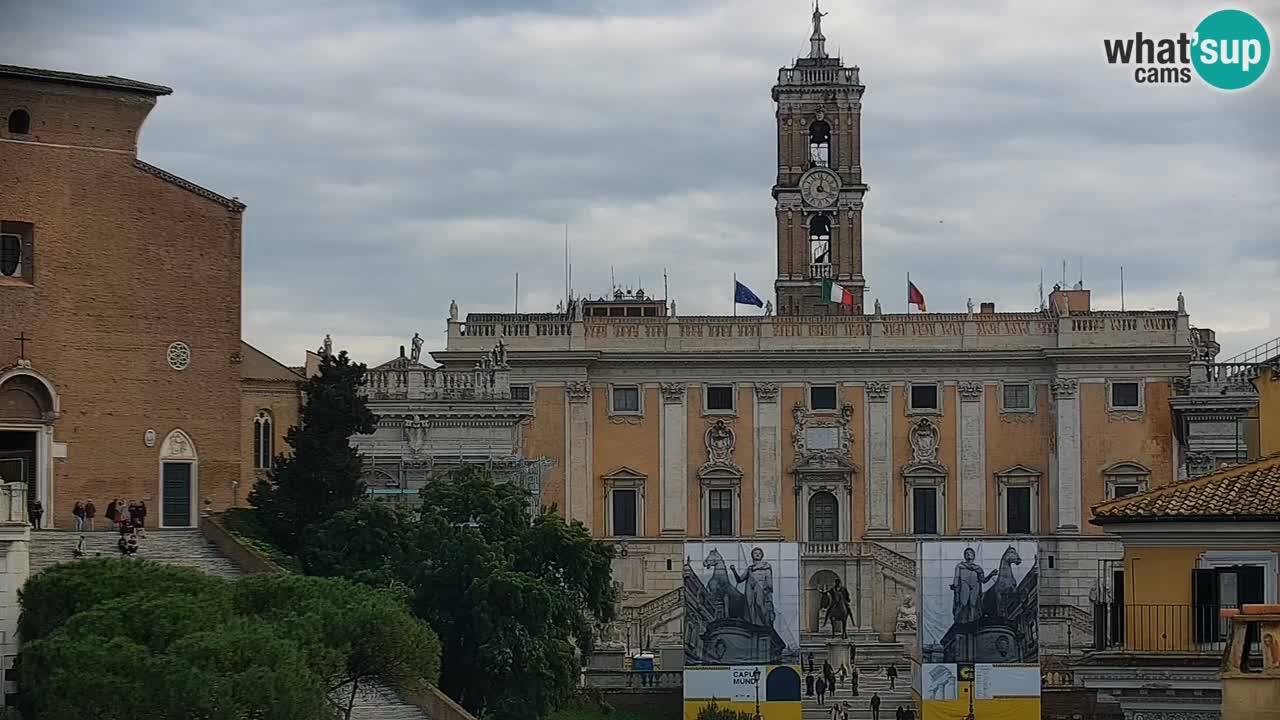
[901, 714]
[113, 512]
[77, 516]
[808, 684]
[37, 513]
[892, 673]
[843, 673]
[875, 706]
[821, 687]
[854, 681]
[90, 512]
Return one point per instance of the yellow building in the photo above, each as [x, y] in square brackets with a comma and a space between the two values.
[853, 430]
[1190, 549]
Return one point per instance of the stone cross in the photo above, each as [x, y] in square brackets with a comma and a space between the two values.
[22, 340]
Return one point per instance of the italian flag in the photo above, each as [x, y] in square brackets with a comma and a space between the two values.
[836, 293]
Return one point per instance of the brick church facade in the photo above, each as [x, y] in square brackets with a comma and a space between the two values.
[119, 308]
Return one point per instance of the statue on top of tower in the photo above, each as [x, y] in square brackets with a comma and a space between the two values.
[817, 41]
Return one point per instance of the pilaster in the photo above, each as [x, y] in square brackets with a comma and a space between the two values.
[674, 471]
[972, 433]
[879, 459]
[768, 461]
[1067, 461]
[578, 482]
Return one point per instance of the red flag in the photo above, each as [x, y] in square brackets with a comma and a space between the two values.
[914, 296]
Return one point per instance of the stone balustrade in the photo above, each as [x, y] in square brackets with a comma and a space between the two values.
[13, 504]
[931, 332]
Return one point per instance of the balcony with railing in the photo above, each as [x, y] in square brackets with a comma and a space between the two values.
[1160, 629]
[820, 271]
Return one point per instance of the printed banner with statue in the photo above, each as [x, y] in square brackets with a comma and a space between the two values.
[979, 630]
[742, 603]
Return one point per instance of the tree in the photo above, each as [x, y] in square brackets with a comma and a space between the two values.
[274, 647]
[508, 595]
[323, 474]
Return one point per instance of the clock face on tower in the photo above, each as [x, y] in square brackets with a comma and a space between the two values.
[819, 187]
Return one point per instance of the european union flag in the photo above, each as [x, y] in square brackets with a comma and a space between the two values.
[742, 295]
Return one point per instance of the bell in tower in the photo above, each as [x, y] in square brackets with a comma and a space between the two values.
[819, 189]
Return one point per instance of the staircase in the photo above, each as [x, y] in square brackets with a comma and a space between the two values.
[187, 548]
[190, 548]
[871, 680]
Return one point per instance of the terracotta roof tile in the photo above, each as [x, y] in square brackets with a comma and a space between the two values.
[1245, 491]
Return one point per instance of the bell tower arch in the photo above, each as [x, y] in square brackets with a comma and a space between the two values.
[819, 189]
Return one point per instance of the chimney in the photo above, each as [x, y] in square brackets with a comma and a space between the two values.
[1072, 301]
[987, 308]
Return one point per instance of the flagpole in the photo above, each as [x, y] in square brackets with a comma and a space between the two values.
[908, 292]
[735, 294]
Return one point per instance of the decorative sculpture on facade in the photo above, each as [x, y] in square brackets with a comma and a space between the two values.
[969, 390]
[672, 392]
[416, 343]
[822, 441]
[907, 620]
[877, 391]
[924, 441]
[326, 347]
[768, 308]
[766, 392]
[577, 390]
[720, 443]
[1064, 388]
[453, 311]
[878, 313]
[969, 305]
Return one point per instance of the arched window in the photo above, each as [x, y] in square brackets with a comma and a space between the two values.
[263, 441]
[823, 526]
[820, 246]
[1126, 478]
[20, 122]
[819, 144]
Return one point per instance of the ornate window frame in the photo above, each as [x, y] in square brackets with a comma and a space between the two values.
[720, 472]
[1017, 476]
[1140, 408]
[1030, 409]
[911, 410]
[706, 396]
[1126, 472]
[624, 478]
[639, 388]
[921, 475]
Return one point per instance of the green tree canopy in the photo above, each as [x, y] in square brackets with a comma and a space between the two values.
[273, 647]
[323, 474]
[508, 595]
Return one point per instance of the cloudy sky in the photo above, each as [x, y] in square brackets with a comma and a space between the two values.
[398, 154]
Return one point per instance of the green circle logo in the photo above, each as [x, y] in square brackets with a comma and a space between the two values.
[1231, 49]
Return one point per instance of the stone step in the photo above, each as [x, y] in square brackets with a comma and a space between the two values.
[187, 548]
[379, 703]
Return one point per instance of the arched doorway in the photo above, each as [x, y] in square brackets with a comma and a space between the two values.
[820, 581]
[28, 407]
[179, 481]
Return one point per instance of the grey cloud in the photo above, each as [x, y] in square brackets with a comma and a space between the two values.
[395, 155]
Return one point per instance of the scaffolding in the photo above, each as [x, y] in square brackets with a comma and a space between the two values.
[416, 468]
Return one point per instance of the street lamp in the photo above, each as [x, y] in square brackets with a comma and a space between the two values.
[755, 680]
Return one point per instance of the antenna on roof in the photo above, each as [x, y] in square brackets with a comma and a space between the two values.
[568, 294]
[613, 284]
[666, 294]
[1121, 288]
[1041, 288]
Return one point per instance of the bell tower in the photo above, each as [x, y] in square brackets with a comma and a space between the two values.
[819, 190]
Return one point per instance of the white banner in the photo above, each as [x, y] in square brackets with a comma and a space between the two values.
[736, 683]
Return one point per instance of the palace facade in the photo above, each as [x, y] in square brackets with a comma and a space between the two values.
[854, 432]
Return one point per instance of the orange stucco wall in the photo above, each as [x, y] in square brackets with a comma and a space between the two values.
[629, 440]
[1267, 426]
[1106, 439]
[1018, 439]
[544, 437]
[743, 454]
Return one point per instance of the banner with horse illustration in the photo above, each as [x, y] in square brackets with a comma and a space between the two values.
[979, 629]
[742, 603]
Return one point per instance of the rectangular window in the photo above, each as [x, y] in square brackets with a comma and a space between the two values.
[1225, 587]
[521, 392]
[1017, 396]
[720, 523]
[1119, 490]
[924, 397]
[626, 399]
[1018, 510]
[624, 513]
[1125, 395]
[924, 510]
[822, 397]
[720, 398]
[17, 251]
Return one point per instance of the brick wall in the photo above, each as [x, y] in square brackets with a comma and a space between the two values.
[126, 263]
